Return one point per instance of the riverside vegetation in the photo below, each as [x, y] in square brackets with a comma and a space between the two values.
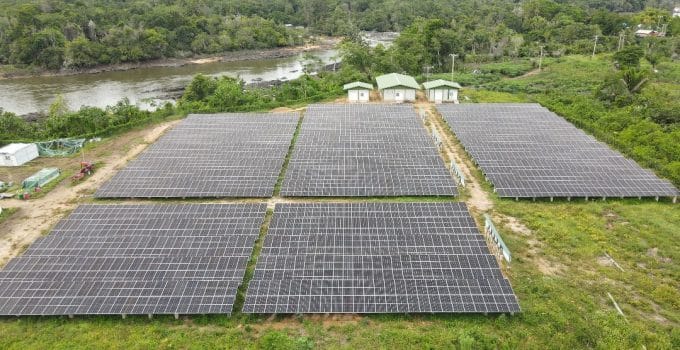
[627, 97]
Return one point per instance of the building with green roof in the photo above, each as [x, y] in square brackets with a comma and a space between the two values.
[396, 87]
[440, 90]
[358, 91]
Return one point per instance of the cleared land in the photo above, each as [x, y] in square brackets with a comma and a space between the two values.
[219, 155]
[527, 151]
[561, 274]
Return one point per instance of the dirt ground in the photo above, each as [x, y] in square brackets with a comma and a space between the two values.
[477, 199]
[35, 217]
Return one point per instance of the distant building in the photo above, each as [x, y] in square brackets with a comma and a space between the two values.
[396, 87]
[358, 91]
[676, 11]
[643, 33]
[440, 90]
[16, 154]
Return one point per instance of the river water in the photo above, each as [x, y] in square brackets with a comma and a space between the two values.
[143, 87]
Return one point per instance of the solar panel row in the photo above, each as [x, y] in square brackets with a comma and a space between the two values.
[217, 155]
[376, 258]
[527, 151]
[365, 150]
[135, 259]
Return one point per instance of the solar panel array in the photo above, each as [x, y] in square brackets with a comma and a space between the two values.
[365, 150]
[527, 151]
[217, 155]
[135, 259]
[376, 258]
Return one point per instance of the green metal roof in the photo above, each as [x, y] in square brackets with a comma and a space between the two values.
[357, 85]
[394, 79]
[439, 83]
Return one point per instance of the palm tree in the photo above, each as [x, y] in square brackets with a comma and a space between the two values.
[634, 79]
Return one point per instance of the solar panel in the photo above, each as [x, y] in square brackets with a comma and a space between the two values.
[527, 151]
[215, 155]
[376, 258]
[135, 259]
[365, 150]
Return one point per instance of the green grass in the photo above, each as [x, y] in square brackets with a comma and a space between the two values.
[49, 186]
[250, 267]
[567, 87]
[565, 308]
[559, 273]
[6, 213]
[289, 154]
[480, 95]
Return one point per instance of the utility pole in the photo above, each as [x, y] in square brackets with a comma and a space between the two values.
[540, 59]
[594, 47]
[427, 72]
[453, 62]
[622, 40]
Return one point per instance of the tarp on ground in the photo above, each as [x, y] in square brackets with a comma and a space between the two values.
[41, 178]
[59, 147]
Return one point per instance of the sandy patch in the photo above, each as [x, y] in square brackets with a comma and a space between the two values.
[654, 253]
[36, 217]
[515, 225]
[605, 261]
[478, 199]
[282, 110]
[205, 60]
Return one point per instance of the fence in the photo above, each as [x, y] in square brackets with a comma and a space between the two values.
[493, 234]
[459, 173]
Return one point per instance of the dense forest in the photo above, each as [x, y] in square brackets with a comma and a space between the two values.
[75, 34]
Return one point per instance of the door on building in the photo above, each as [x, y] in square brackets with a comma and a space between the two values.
[353, 95]
[453, 95]
[438, 95]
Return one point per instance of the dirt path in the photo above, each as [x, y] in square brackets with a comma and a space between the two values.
[477, 199]
[35, 217]
[527, 74]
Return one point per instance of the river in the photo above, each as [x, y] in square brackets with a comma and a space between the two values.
[143, 86]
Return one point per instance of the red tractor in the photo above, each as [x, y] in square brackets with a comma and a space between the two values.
[86, 169]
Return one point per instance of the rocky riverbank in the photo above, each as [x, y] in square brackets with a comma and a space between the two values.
[245, 55]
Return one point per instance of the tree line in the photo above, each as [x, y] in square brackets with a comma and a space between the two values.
[83, 33]
[538, 28]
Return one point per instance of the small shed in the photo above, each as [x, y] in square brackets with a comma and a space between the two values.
[440, 90]
[396, 87]
[16, 154]
[358, 91]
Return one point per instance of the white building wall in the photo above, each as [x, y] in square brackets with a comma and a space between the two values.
[410, 95]
[453, 95]
[399, 95]
[442, 95]
[18, 155]
[388, 95]
[353, 95]
[358, 95]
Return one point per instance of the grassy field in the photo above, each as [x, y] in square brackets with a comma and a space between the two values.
[6, 213]
[561, 273]
[568, 87]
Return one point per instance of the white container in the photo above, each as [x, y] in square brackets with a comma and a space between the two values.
[16, 154]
